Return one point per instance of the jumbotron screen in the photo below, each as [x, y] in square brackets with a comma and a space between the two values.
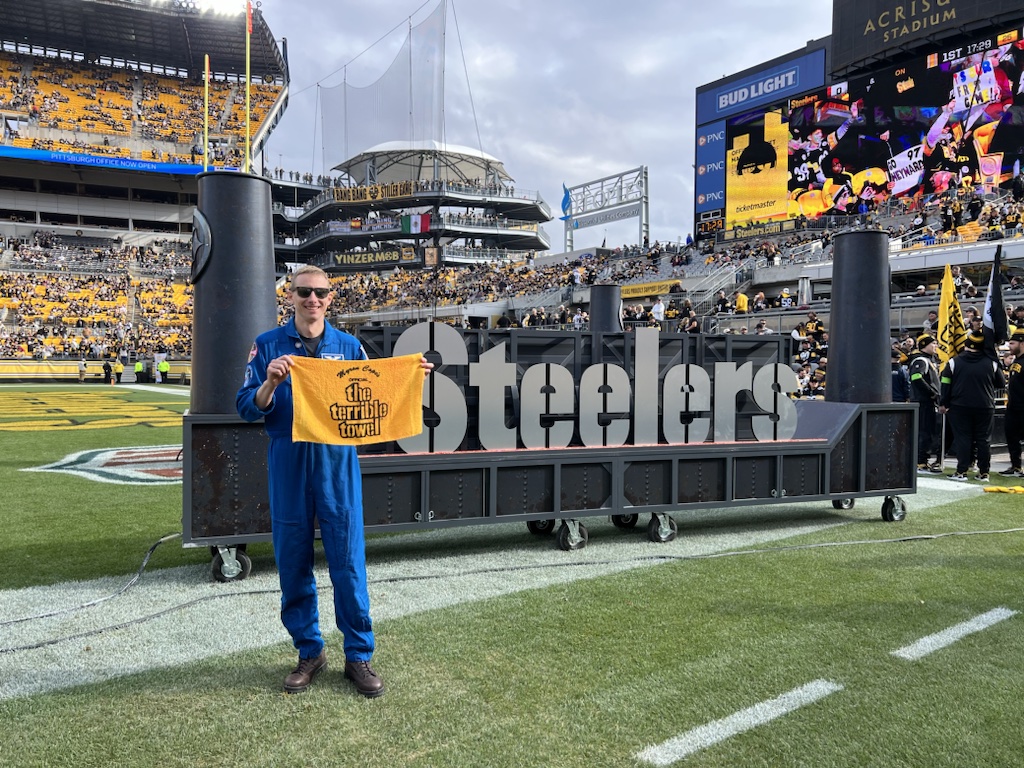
[953, 118]
[865, 31]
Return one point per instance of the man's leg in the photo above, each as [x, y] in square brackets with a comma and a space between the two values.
[982, 432]
[925, 432]
[1014, 424]
[342, 536]
[292, 531]
[961, 425]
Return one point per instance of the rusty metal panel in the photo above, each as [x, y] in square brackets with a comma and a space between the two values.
[648, 483]
[802, 475]
[458, 494]
[889, 465]
[392, 498]
[526, 490]
[844, 463]
[755, 477]
[225, 492]
[702, 480]
[586, 486]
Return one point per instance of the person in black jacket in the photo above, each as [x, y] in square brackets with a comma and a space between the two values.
[968, 394]
[924, 390]
[1015, 405]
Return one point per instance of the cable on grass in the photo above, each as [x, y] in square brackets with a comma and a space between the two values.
[130, 583]
[476, 572]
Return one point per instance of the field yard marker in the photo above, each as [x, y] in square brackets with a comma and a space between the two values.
[926, 645]
[708, 735]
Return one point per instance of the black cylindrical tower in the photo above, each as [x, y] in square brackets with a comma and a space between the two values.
[233, 279]
[605, 308]
[859, 369]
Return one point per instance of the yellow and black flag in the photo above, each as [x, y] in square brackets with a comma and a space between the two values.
[950, 333]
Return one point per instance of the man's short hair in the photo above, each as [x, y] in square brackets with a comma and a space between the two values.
[307, 269]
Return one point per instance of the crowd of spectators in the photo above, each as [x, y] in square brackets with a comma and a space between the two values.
[87, 99]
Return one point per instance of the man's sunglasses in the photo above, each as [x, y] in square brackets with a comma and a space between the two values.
[305, 291]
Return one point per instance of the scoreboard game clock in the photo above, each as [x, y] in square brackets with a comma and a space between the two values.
[710, 227]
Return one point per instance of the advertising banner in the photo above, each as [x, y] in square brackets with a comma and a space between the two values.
[102, 161]
[607, 216]
[768, 86]
[757, 169]
[385, 258]
[709, 184]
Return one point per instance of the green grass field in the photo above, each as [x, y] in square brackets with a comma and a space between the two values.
[584, 673]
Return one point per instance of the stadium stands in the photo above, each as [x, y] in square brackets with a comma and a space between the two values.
[65, 105]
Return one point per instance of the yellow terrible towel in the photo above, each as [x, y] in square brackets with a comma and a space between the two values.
[353, 402]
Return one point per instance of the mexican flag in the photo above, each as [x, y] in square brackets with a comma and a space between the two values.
[413, 225]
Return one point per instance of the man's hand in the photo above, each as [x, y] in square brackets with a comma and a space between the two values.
[277, 371]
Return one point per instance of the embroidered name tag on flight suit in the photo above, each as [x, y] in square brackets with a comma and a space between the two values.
[354, 402]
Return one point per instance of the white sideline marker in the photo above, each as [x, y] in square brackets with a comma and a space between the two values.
[926, 645]
[705, 736]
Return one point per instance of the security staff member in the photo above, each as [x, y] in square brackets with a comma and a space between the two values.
[140, 371]
[1015, 405]
[968, 393]
[308, 480]
[924, 390]
[164, 369]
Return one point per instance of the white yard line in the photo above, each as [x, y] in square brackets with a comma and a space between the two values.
[167, 389]
[712, 733]
[940, 640]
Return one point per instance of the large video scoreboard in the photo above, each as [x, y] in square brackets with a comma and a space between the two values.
[949, 118]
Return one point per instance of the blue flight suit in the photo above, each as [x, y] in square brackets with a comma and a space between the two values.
[310, 480]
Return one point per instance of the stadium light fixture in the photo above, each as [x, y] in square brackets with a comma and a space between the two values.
[222, 7]
[219, 7]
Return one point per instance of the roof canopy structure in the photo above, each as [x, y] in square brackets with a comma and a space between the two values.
[422, 161]
[174, 34]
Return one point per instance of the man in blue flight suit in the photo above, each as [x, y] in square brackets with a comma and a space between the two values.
[308, 480]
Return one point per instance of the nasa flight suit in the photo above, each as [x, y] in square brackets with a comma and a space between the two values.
[307, 480]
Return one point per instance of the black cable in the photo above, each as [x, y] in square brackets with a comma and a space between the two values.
[476, 572]
[97, 601]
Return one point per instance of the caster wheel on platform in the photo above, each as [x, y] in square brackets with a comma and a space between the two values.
[221, 572]
[564, 542]
[893, 509]
[625, 522]
[842, 503]
[540, 527]
[656, 534]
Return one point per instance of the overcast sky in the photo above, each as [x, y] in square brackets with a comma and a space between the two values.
[564, 90]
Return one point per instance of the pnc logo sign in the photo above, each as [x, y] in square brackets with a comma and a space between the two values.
[711, 197]
[711, 138]
[711, 167]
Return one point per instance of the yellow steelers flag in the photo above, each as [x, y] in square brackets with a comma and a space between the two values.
[950, 331]
[354, 402]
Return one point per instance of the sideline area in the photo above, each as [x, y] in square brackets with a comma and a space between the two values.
[177, 616]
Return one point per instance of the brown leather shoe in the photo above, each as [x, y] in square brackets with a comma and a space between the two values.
[366, 680]
[300, 680]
